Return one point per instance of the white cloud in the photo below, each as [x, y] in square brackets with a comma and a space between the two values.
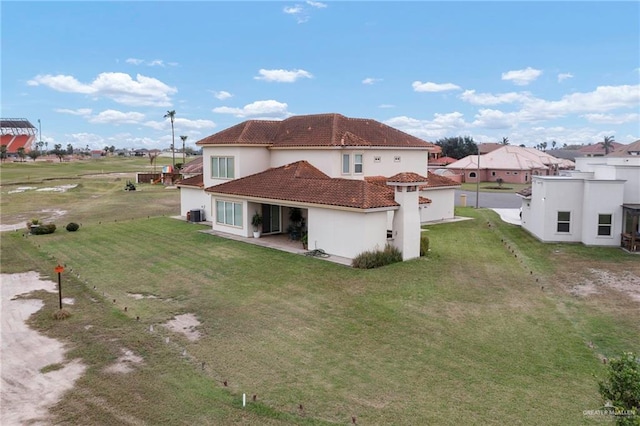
[495, 119]
[371, 80]
[268, 108]
[156, 63]
[222, 95]
[386, 106]
[490, 99]
[79, 111]
[441, 126]
[522, 77]
[612, 118]
[419, 86]
[134, 61]
[302, 12]
[111, 116]
[119, 87]
[180, 124]
[316, 4]
[282, 76]
[564, 76]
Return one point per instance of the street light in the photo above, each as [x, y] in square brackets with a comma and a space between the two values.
[478, 177]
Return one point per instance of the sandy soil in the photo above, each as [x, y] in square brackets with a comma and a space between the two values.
[185, 324]
[626, 283]
[26, 392]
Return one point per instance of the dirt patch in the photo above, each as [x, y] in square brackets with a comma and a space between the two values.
[600, 280]
[27, 392]
[125, 363]
[139, 296]
[185, 324]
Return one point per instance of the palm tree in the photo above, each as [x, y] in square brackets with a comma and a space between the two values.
[505, 141]
[553, 144]
[184, 139]
[171, 115]
[607, 144]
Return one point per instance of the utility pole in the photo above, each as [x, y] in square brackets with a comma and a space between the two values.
[478, 177]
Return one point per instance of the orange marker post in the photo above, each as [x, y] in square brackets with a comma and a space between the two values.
[59, 269]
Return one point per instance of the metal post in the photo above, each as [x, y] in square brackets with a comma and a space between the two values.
[39, 130]
[59, 290]
[478, 177]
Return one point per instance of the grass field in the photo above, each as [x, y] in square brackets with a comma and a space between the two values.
[484, 330]
[494, 187]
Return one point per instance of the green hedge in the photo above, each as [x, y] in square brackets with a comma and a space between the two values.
[48, 228]
[377, 258]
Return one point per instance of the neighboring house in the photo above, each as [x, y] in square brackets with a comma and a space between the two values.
[192, 168]
[322, 164]
[512, 164]
[597, 149]
[596, 204]
[488, 147]
[441, 161]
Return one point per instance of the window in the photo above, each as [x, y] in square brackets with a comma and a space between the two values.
[346, 164]
[472, 174]
[564, 222]
[357, 163]
[222, 167]
[604, 225]
[396, 159]
[376, 159]
[493, 173]
[228, 213]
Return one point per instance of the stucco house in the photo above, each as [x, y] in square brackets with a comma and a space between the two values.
[329, 166]
[512, 164]
[598, 203]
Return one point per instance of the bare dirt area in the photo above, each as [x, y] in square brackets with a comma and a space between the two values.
[34, 371]
[45, 215]
[598, 281]
[125, 362]
[185, 324]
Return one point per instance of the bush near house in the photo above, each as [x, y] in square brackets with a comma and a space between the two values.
[424, 245]
[47, 228]
[72, 227]
[377, 258]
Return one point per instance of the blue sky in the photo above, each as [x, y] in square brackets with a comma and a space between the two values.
[105, 73]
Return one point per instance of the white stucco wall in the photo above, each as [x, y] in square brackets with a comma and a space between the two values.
[630, 174]
[247, 161]
[345, 233]
[602, 197]
[442, 204]
[551, 195]
[406, 223]
[329, 161]
[195, 198]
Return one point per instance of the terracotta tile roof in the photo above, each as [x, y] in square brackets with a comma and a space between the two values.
[407, 177]
[626, 150]
[301, 182]
[598, 148]
[193, 166]
[196, 181]
[382, 181]
[315, 130]
[442, 161]
[437, 181]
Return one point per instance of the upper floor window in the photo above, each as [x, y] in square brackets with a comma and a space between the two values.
[357, 163]
[396, 159]
[564, 222]
[346, 163]
[222, 167]
[604, 225]
[377, 159]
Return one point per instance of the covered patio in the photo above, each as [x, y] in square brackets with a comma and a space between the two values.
[280, 242]
[630, 238]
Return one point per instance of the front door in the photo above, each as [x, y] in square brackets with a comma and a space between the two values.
[270, 219]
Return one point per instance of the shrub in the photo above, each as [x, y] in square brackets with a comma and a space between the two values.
[48, 228]
[377, 258]
[72, 227]
[424, 245]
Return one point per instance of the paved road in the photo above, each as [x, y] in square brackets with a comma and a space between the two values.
[490, 200]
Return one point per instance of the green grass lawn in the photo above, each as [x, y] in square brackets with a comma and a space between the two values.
[466, 335]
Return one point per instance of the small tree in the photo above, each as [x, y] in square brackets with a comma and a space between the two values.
[607, 144]
[622, 388]
[21, 153]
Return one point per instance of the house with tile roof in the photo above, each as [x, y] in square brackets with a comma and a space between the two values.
[598, 150]
[327, 165]
[512, 164]
[598, 203]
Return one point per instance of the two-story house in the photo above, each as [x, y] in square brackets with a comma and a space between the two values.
[320, 164]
